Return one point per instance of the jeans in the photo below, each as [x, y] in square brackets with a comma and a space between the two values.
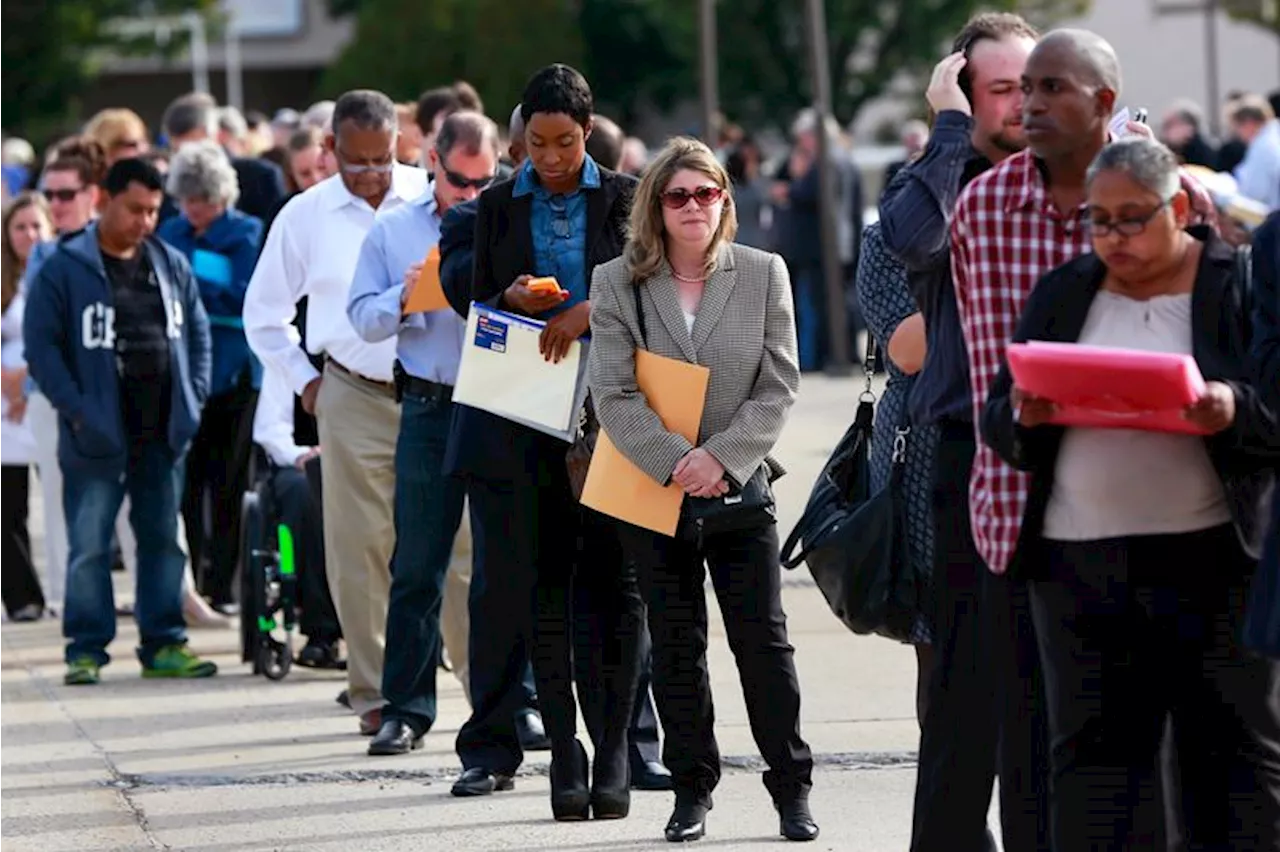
[153, 480]
[428, 507]
[811, 316]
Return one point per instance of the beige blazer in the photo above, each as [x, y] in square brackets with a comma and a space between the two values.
[745, 333]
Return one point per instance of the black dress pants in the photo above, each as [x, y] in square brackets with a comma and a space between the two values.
[300, 510]
[18, 582]
[218, 464]
[985, 712]
[748, 584]
[549, 586]
[1132, 630]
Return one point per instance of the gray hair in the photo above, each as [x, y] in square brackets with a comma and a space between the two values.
[367, 109]
[196, 111]
[232, 121]
[807, 122]
[201, 170]
[468, 130]
[1147, 162]
[319, 115]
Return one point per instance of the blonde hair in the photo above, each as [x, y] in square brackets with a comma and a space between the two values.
[12, 267]
[646, 249]
[110, 127]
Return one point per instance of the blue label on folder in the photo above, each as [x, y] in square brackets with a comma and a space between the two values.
[491, 334]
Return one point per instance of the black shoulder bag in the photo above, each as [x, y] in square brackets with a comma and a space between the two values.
[853, 540]
[745, 507]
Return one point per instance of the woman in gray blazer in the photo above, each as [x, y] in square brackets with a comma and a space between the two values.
[682, 289]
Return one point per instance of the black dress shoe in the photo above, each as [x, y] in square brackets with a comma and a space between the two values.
[481, 782]
[344, 698]
[531, 733]
[688, 822]
[318, 654]
[795, 821]
[394, 737]
[570, 798]
[650, 775]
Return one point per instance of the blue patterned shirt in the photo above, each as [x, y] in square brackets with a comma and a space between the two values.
[559, 226]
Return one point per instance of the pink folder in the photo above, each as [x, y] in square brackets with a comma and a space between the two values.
[1105, 388]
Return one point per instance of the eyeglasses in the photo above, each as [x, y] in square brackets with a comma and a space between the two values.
[464, 182]
[364, 168]
[676, 199]
[63, 195]
[1130, 227]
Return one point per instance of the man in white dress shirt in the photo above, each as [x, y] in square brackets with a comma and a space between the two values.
[312, 251]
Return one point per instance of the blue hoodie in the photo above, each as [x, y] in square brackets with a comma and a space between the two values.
[222, 259]
[69, 336]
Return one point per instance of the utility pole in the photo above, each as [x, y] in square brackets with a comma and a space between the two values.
[710, 82]
[832, 269]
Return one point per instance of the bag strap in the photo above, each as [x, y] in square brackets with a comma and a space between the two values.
[644, 336]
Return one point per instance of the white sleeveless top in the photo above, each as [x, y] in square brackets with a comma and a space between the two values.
[1111, 483]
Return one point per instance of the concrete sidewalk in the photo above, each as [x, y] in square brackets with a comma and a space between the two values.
[240, 763]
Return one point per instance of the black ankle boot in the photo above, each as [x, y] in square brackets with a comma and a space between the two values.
[570, 798]
[688, 821]
[795, 821]
[611, 783]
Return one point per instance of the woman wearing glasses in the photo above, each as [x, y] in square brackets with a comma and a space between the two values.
[1147, 541]
[684, 290]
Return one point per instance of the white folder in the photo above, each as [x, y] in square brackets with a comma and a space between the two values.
[503, 372]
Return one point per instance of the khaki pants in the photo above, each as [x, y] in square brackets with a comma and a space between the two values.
[358, 426]
[455, 614]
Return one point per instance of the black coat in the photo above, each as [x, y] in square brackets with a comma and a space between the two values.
[482, 444]
[1243, 455]
[261, 187]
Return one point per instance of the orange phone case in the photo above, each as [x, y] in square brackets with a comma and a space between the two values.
[544, 285]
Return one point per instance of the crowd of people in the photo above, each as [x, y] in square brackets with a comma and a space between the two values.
[236, 306]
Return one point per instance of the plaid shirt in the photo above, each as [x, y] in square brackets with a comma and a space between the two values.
[1006, 233]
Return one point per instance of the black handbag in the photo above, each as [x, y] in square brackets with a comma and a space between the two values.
[854, 541]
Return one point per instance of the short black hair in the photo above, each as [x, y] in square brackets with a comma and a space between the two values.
[432, 102]
[605, 143]
[558, 89]
[132, 170]
[367, 109]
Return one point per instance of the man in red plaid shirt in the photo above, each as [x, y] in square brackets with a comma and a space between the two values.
[1018, 221]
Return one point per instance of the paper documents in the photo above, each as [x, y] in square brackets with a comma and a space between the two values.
[677, 392]
[427, 294]
[503, 372]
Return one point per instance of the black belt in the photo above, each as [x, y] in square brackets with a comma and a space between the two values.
[432, 391]
[386, 387]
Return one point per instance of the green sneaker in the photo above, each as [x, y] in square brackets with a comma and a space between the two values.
[178, 661]
[82, 671]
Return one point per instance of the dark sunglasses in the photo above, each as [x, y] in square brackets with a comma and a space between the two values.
[65, 195]
[463, 182]
[704, 195]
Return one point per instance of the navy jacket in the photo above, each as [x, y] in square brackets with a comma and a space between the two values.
[261, 186]
[228, 251]
[69, 333]
[1266, 307]
[501, 246]
[1243, 454]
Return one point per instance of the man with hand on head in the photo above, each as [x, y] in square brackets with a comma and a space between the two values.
[428, 504]
[976, 96]
[312, 251]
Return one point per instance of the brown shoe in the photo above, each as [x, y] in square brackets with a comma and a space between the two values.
[371, 722]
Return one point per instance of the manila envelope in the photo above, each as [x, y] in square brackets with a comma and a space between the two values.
[677, 392]
[427, 294]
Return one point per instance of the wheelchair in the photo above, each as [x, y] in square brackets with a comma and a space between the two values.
[268, 579]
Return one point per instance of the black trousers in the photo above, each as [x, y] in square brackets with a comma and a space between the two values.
[1133, 630]
[299, 509]
[19, 585]
[218, 464]
[985, 712]
[549, 586]
[643, 734]
[748, 583]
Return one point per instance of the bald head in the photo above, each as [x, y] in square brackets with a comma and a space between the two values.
[1087, 54]
[515, 136]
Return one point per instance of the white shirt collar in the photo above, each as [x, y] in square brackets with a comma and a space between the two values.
[406, 185]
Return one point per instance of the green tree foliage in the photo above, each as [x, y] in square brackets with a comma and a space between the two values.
[49, 51]
[1264, 13]
[638, 52]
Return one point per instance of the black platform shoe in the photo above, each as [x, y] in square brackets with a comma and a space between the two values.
[570, 797]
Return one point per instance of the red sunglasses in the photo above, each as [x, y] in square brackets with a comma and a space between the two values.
[704, 195]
